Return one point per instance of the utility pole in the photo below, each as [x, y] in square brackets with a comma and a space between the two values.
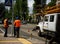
[12, 17]
[10, 3]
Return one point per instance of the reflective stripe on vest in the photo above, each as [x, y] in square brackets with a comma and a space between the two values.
[5, 23]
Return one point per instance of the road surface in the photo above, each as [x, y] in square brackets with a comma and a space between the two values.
[27, 33]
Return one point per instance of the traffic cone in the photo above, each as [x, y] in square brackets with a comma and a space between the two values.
[28, 30]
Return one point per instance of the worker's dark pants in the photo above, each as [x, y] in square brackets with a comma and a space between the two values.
[17, 31]
[5, 34]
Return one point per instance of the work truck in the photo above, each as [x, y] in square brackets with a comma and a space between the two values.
[50, 25]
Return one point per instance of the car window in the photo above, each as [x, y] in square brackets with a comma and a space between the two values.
[52, 18]
[46, 18]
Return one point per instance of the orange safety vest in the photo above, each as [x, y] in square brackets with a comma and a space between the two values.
[5, 23]
[17, 23]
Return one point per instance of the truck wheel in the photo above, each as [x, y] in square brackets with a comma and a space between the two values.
[39, 33]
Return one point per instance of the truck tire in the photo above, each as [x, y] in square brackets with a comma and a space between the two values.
[39, 33]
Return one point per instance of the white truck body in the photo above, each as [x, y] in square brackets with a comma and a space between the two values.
[49, 23]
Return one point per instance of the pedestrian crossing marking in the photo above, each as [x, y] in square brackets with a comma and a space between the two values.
[21, 40]
[24, 41]
[2, 30]
[9, 41]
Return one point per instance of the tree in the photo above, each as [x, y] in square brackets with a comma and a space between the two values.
[21, 9]
[6, 14]
[2, 10]
[38, 5]
[37, 2]
[18, 7]
[24, 7]
[43, 3]
[52, 3]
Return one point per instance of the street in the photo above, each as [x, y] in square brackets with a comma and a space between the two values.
[27, 33]
[39, 21]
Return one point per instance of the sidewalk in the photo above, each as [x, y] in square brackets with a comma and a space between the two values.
[21, 40]
[12, 40]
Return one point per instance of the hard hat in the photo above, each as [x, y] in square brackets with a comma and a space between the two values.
[17, 17]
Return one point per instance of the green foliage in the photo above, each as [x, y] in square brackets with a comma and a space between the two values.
[2, 7]
[8, 14]
[34, 8]
[52, 3]
[19, 8]
[24, 7]
[37, 1]
[38, 5]
[2, 10]
[15, 10]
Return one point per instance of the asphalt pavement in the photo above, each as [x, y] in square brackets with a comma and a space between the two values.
[25, 33]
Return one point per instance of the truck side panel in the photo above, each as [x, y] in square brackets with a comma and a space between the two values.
[52, 23]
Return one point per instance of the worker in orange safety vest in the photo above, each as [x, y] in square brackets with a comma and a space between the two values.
[6, 27]
[17, 24]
